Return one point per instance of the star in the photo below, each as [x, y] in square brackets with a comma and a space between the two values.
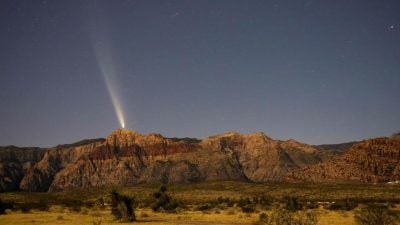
[175, 14]
[391, 27]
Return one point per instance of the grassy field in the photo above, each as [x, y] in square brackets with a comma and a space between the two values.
[200, 204]
[147, 217]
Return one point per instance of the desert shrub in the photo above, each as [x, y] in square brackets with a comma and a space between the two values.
[100, 203]
[28, 206]
[376, 214]
[220, 199]
[346, 205]
[306, 218]
[311, 205]
[286, 217]
[292, 203]
[226, 201]
[122, 207]
[248, 208]
[2, 208]
[263, 219]
[282, 217]
[230, 203]
[73, 204]
[171, 205]
[243, 202]
[264, 200]
[164, 201]
[205, 207]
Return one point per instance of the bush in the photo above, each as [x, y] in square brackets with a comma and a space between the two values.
[265, 200]
[243, 202]
[2, 208]
[205, 207]
[282, 217]
[73, 204]
[286, 217]
[122, 207]
[248, 209]
[311, 205]
[28, 206]
[292, 203]
[164, 201]
[346, 205]
[376, 214]
[230, 203]
[307, 218]
[263, 219]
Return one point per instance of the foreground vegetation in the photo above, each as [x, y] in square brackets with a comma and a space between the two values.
[209, 203]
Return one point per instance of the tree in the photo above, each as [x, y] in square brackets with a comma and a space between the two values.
[122, 207]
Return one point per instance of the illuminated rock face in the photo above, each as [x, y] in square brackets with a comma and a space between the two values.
[373, 160]
[126, 157]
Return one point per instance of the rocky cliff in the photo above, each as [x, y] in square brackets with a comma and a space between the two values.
[14, 162]
[129, 158]
[126, 157]
[373, 160]
[40, 176]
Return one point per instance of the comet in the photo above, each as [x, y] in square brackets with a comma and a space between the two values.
[106, 58]
[110, 76]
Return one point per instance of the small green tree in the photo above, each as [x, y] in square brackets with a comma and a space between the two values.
[376, 214]
[164, 201]
[122, 207]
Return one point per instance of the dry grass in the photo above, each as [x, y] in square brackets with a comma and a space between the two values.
[192, 196]
[190, 217]
[199, 193]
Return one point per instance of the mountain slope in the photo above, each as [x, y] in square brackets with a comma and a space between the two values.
[14, 162]
[128, 158]
[373, 160]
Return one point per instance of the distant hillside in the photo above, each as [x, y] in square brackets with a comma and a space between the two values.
[339, 148]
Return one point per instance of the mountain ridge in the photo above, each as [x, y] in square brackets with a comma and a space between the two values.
[126, 157]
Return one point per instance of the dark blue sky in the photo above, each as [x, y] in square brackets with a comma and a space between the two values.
[315, 71]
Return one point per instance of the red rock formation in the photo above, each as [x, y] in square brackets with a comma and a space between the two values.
[127, 158]
[374, 160]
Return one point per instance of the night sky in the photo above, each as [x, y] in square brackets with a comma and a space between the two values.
[316, 71]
